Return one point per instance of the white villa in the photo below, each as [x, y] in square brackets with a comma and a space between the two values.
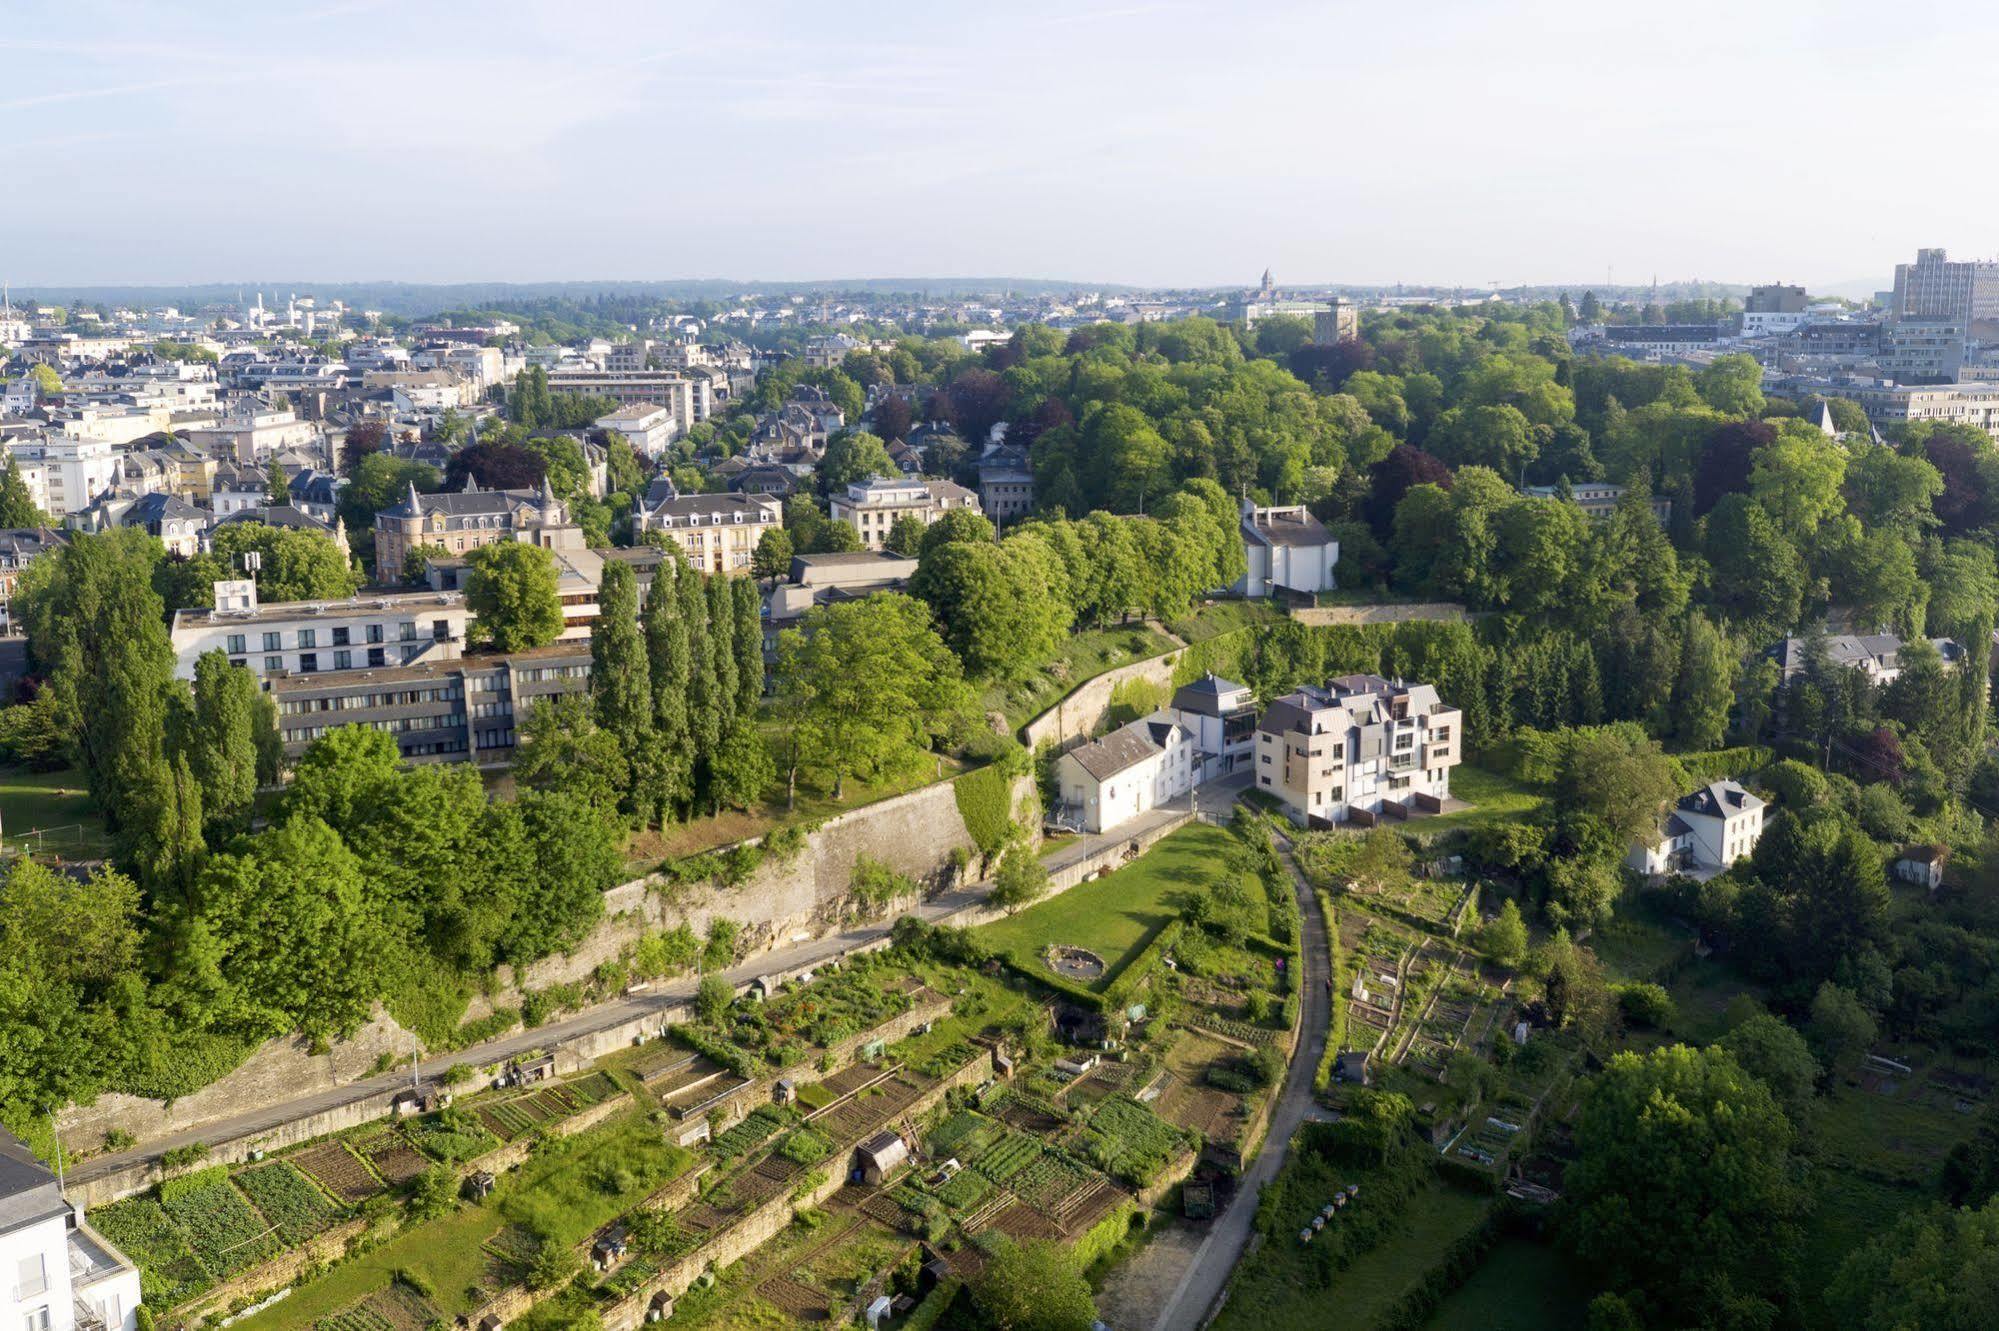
[1706, 831]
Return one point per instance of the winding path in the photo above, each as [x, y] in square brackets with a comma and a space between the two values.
[1208, 1273]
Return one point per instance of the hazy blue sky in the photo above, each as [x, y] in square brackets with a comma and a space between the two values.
[1141, 142]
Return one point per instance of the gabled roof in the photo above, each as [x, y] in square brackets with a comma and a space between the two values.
[1720, 799]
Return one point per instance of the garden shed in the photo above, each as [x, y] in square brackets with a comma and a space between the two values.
[880, 1156]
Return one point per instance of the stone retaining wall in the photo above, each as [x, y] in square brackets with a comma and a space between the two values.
[1399, 612]
[1079, 714]
[744, 1237]
[273, 1275]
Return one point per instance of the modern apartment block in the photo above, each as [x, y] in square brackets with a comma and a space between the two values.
[689, 397]
[462, 710]
[1360, 747]
[1935, 287]
[313, 637]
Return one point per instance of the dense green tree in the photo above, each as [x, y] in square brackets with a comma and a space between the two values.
[670, 662]
[772, 559]
[1022, 879]
[1706, 685]
[1682, 1187]
[292, 914]
[1770, 1049]
[221, 744]
[905, 535]
[562, 748]
[869, 685]
[1757, 577]
[748, 643]
[621, 689]
[514, 594]
[853, 455]
[993, 606]
[1933, 1269]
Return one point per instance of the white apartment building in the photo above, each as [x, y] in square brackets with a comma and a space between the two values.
[1975, 404]
[647, 427]
[56, 1273]
[1286, 550]
[688, 397]
[251, 433]
[312, 637]
[1351, 750]
[1708, 830]
[1140, 766]
[70, 472]
[871, 507]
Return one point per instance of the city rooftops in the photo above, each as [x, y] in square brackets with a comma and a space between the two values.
[285, 611]
[576, 652]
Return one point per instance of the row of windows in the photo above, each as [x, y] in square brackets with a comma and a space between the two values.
[399, 726]
[364, 701]
[540, 673]
[342, 636]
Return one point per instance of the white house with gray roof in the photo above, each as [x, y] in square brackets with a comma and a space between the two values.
[1138, 767]
[56, 1274]
[1705, 832]
[1286, 550]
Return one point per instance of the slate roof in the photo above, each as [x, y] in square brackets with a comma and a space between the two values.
[1105, 758]
[1204, 696]
[28, 1192]
[1720, 799]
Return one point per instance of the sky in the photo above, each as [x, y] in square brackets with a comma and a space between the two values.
[1151, 142]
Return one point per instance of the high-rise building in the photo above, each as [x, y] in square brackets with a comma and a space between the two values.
[1775, 299]
[1934, 287]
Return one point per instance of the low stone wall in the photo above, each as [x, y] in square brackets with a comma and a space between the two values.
[271, 1276]
[1398, 612]
[1079, 714]
[1175, 1173]
[758, 1227]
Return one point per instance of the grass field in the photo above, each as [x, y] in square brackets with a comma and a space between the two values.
[1521, 1286]
[1438, 1216]
[1848, 1211]
[1634, 946]
[564, 1192]
[1494, 799]
[1116, 916]
[56, 802]
[1211, 621]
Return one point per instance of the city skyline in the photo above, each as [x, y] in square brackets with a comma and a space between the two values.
[1150, 144]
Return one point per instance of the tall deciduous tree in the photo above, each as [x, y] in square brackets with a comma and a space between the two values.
[514, 592]
[621, 687]
[221, 747]
[1683, 1187]
[17, 504]
[671, 667]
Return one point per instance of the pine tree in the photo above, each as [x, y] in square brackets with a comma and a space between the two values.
[749, 646]
[671, 676]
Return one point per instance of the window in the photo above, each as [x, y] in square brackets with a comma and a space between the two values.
[374, 633]
[274, 664]
[37, 1319]
[340, 636]
[375, 656]
[308, 662]
[1263, 758]
[272, 642]
[1264, 779]
[440, 630]
[408, 630]
[343, 660]
[308, 638]
[33, 1278]
[236, 644]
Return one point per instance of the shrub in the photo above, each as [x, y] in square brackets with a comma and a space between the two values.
[180, 1157]
[985, 803]
[554, 1264]
[875, 885]
[436, 1192]
[1645, 1005]
[712, 998]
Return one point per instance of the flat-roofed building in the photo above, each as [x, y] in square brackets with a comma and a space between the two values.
[1357, 748]
[646, 426]
[461, 710]
[1286, 550]
[1599, 499]
[871, 507]
[363, 632]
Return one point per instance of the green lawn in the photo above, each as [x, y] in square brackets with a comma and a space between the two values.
[1634, 945]
[1494, 799]
[1116, 916]
[1211, 621]
[56, 802]
[1086, 655]
[1521, 1286]
[1848, 1211]
[564, 1191]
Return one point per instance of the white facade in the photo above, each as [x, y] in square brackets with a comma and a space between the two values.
[646, 427]
[1774, 323]
[1346, 751]
[55, 1273]
[1708, 830]
[313, 637]
[1141, 766]
[871, 507]
[73, 471]
[1286, 550]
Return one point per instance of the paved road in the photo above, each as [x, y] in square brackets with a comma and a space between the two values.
[1209, 1272]
[602, 1017]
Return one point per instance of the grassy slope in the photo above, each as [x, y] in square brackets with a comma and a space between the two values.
[1115, 916]
[52, 800]
[1494, 799]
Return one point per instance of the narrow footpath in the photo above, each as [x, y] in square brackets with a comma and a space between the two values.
[1215, 1260]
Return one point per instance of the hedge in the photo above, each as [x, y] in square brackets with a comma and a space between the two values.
[985, 802]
